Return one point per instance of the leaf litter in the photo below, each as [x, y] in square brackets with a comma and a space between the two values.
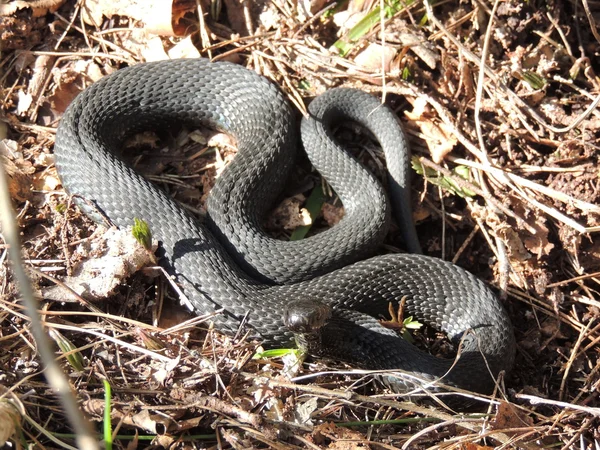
[527, 224]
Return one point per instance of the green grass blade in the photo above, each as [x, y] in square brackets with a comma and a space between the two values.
[345, 43]
[108, 439]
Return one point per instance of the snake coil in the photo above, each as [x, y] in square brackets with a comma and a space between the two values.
[230, 263]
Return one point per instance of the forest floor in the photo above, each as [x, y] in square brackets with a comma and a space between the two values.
[507, 185]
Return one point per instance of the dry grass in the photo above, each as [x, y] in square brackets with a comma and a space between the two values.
[524, 125]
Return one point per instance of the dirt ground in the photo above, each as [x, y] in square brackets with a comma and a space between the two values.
[506, 185]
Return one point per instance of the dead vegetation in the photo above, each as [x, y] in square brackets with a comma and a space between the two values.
[506, 185]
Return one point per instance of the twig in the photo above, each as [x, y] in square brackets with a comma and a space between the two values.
[574, 354]
[118, 342]
[204, 35]
[101, 41]
[382, 25]
[465, 244]
[553, 193]
[574, 279]
[407, 406]
[513, 96]
[80, 54]
[56, 378]
[466, 185]
[546, 401]
[590, 17]
[481, 80]
[560, 33]
[312, 20]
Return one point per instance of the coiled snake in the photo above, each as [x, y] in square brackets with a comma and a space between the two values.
[230, 262]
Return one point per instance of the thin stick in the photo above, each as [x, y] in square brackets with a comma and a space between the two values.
[553, 193]
[546, 401]
[574, 354]
[56, 378]
[466, 185]
[481, 79]
[513, 97]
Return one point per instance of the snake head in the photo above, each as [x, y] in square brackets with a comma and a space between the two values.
[306, 315]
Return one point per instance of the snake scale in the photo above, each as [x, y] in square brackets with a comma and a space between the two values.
[229, 262]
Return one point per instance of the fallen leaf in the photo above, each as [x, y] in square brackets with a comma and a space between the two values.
[332, 214]
[46, 180]
[314, 6]
[68, 82]
[304, 410]
[514, 245]
[509, 416]
[402, 33]
[538, 243]
[10, 419]
[288, 215]
[18, 169]
[154, 50]
[375, 57]
[24, 102]
[160, 17]
[184, 49]
[438, 135]
[472, 446]
[270, 19]
[342, 438]
[118, 255]
[39, 8]
[152, 423]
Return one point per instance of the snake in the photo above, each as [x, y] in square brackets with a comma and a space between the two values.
[227, 265]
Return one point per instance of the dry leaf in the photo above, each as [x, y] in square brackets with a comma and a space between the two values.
[152, 423]
[10, 419]
[154, 50]
[39, 8]
[342, 438]
[161, 17]
[170, 317]
[46, 180]
[134, 443]
[270, 19]
[472, 446]
[243, 15]
[514, 245]
[424, 51]
[24, 102]
[304, 410]
[260, 388]
[421, 213]
[538, 244]
[346, 19]
[314, 6]
[510, 417]
[399, 32]
[288, 215]
[332, 214]
[374, 56]
[18, 169]
[438, 135]
[119, 255]
[69, 82]
[184, 49]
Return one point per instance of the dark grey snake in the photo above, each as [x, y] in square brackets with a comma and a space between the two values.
[233, 264]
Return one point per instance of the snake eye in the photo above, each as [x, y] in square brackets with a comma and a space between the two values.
[306, 315]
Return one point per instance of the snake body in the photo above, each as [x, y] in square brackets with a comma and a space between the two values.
[230, 263]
